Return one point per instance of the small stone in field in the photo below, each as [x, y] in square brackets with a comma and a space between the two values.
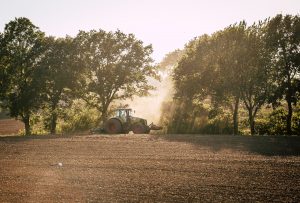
[60, 164]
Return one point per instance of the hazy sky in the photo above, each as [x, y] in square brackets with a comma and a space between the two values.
[166, 24]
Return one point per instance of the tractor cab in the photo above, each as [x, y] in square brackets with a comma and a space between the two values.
[123, 113]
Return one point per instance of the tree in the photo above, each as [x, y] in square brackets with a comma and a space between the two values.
[229, 66]
[3, 68]
[192, 76]
[21, 50]
[211, 68]
[255, 78]
[62, 72]
[195, 78]
[242, 70]
[117, 67]
[171, 59]
[283, 39]
[229, 52]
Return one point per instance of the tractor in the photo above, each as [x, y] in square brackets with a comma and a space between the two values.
[124, 122]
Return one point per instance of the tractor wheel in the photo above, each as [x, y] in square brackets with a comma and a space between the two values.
[139, 129]
[113, 126]
[147, 130]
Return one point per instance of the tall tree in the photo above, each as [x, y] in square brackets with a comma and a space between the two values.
[228, 67]
[229, 51]
[283, 41]
[62, 71]
[192, 76]
[21, 50]
[243, 69]
[3, 68]
[194, 79]
[117, 66]
[255, 77]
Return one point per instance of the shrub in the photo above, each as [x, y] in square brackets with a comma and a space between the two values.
[79, 118]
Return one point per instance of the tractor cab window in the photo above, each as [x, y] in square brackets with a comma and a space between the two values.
[129, 112]
[123, 112]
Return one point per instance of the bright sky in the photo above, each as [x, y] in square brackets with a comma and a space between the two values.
[166, 24]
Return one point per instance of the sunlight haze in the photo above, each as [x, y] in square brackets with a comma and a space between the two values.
[166, 25]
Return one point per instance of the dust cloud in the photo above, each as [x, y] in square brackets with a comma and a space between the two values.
[149, 107]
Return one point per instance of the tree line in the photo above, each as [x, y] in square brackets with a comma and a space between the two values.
[40, 73]
[249, 71]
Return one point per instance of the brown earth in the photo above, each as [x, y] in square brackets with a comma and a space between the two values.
[10, 126]
[149, 168]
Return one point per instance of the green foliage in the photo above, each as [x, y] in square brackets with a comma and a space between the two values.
[191, 74]
[263, 126]
[79, 118]
[41, 76]
[37, 123]
[296, 121]
[219, 77]
[220, 124]
[275, 122]
[4, 114]
[187, 117]
[21, 51]
[62, 69]
[251, 64]
[117, 67]
[171, 59]
[282, 40]
[227, 66]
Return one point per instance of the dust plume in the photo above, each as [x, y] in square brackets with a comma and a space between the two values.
[149, 107]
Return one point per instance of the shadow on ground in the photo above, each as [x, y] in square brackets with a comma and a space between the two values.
[20, 138]
[263, 145]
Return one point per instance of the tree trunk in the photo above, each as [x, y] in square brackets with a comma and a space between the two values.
[236, 116]
[251, 121]
[289, 118]
[53, 120]
[104, 115]
[26, 120]
[53, 123]
[290, 108]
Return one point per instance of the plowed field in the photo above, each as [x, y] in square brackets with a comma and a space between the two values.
[149, 168]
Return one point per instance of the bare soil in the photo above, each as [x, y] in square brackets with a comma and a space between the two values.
[10, 126]
[149, 168]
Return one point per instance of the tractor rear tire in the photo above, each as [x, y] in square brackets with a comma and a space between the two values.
[147, 130]
[113, 126]
[139, 129]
